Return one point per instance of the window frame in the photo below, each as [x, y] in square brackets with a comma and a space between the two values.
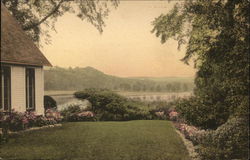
[3, 74]
[30, 87]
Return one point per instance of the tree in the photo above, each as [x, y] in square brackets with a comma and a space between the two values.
[216, 34]
[32, 13]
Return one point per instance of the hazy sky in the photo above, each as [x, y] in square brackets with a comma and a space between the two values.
[126, 47]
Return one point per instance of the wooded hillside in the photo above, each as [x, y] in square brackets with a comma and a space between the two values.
[58, 78]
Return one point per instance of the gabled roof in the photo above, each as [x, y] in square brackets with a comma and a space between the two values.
[16, 46]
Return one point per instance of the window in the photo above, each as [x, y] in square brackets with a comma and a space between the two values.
[5, 89]
[30, 88]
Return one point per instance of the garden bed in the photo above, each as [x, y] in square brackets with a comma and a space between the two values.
[34, 128]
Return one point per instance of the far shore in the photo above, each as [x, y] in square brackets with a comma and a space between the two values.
[123, 93]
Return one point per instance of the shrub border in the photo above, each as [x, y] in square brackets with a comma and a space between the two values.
[188, 144]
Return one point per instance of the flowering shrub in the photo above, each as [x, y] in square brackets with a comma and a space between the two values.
[53, 114]
[16, 121]
[191, 133]
[160, 115]
[228, 141]
[82, 116]
[74, 113]
[85, 114]
[173, 115]
[30, 117]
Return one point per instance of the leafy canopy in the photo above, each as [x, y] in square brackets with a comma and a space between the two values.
[216, 35]
[32, 13]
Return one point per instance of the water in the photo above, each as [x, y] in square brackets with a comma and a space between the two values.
[162, 97]
[63, 101]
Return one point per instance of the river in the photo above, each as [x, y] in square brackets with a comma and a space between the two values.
[65, 100]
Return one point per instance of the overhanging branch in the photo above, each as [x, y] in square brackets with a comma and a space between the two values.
[54, 10]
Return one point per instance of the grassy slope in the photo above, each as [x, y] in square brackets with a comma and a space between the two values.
[133, 140]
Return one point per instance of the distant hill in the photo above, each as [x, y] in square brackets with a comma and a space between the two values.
[58, 78]
[166, 79]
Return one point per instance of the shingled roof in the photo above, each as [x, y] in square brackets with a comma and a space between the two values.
[16, 46]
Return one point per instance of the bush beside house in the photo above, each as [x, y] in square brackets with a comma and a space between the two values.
[16, 121]
[49, 103]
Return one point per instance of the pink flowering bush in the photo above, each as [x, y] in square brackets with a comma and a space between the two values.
[192, 133]
[85, 116]
[16, 121]
[173, 115]
[53, 114]
[81, 116]
[74, 113]
[30, 117]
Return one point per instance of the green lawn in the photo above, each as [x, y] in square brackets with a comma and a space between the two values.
[132, 140]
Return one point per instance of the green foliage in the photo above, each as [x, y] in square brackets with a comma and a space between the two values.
[108, 105]
[58, 78]
[229, 141]
[71, 109]
[31, 14]
[69, 114]
[49, 102]
[200, 114]
[217, 37]
[74, 113]
[217, 33]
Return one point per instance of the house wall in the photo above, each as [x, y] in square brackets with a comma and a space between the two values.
[18, 89]
[39, 90]
[18, 99]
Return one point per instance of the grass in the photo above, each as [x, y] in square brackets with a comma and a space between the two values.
[132, 140]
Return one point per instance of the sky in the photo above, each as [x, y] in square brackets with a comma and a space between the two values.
[126, 48]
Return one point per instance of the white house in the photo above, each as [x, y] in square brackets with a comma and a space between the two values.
[22, 76]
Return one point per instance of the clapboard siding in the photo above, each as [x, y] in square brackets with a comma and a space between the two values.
[18, 89]
[18, 102]
[39, 90]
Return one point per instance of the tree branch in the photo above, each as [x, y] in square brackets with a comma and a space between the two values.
[54, 10]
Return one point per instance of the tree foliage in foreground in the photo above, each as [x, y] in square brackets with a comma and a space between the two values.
[216, 35]
[32, 13]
